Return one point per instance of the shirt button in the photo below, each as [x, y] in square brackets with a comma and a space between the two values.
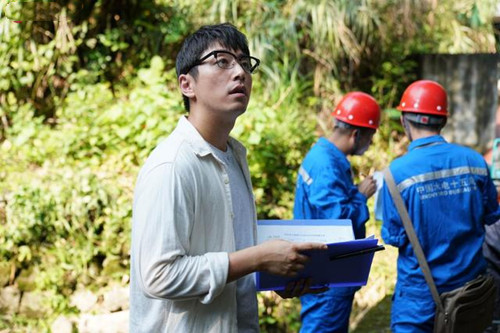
[226, 180]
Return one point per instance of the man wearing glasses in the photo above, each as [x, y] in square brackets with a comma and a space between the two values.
[194, 217]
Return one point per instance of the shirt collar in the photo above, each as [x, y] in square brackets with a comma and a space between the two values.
[199, 145]
[426, 141]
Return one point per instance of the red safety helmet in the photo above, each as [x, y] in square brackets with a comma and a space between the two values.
[426, 97]
[358, 109]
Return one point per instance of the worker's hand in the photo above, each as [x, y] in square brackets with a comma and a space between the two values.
[299, 288]
[368, 186]
[282, 257]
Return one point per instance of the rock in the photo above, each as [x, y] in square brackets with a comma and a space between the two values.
[9, 299]
[34, 304]
[84, 300]
[62, 324]
[5, 271]
[115, 299]
[116, 322]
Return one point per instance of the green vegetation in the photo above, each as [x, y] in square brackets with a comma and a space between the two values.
[83, 102]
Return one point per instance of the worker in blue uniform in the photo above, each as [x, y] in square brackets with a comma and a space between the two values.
[450, 198]
[325, 190]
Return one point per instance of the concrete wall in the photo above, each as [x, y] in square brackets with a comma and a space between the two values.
[471, 81]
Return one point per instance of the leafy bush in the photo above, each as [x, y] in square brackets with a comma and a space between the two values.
[67, 202]
[278, 129]
[66, 190]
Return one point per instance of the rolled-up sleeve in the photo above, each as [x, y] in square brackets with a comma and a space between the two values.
[163, 221]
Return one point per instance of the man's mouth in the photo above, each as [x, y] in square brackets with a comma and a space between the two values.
[238, 90]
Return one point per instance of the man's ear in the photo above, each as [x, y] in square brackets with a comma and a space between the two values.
[354, 133]
[351, 139]
[186, 85]
[406, 126]
[445, 122]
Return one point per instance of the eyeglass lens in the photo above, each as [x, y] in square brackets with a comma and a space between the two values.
[227, 60]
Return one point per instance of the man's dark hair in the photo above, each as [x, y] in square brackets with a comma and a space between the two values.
[193, 47]
[345, 128]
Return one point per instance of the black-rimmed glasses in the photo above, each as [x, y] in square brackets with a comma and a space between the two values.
[227, 60]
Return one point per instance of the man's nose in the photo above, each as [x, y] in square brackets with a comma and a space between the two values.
[238, 68]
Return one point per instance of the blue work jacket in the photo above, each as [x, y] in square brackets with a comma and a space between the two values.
[325, 189]
[450, 197]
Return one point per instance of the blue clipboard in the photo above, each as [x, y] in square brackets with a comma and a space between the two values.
[344, 264]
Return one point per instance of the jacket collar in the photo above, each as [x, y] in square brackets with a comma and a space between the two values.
[426, 141]
[333, 149]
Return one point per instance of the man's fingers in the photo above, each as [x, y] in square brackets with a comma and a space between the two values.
[311, 246]
[302, 259]
[308, 290]
[306, 286]
[289, 290]
[316, 290]
[298, 268]
[300, 287]
[290, 286]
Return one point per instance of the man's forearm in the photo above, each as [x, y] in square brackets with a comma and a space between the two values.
[243, 262]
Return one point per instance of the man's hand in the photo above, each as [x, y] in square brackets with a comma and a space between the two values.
[282, 257]
[368, 186]
[299, 288]
[277, 256]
